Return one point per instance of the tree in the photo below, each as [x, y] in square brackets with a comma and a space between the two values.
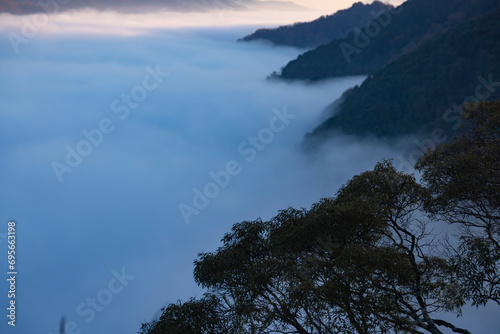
[463, 177]
[429, 282]
[366, 260]
[245, 271]
[207, 315]
[361, 262]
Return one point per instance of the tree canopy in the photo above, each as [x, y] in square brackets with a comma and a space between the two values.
[464, 178]
[368, 259]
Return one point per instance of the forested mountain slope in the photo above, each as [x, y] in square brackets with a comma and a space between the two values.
[322, 30]
[386, 39]
[416, 93]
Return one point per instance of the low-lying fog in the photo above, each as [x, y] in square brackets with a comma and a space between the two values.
[118, 173]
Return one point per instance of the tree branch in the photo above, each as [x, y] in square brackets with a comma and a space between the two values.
[450, 326]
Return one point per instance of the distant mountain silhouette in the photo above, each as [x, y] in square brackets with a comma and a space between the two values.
[385, 40]
[322, 30]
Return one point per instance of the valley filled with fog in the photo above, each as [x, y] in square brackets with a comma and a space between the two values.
[133, 154]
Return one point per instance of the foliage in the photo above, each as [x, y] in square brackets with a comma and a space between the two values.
[464, 179]
[208, 315]
[366, 260]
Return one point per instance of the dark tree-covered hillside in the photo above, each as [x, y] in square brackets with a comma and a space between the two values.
[417, 92]
[322, 30]
[385, 40]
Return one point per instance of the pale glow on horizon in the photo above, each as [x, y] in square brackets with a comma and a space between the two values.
[91, 21]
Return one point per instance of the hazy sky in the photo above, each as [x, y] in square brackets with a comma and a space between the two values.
[108, 22]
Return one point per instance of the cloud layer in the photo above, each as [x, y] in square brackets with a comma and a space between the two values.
[23, 7]
[109, 245]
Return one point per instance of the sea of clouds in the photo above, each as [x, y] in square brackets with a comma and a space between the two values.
[123, 157]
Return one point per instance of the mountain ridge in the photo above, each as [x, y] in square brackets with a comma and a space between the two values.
[321, 30]
[417, 93]
[411, 24]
